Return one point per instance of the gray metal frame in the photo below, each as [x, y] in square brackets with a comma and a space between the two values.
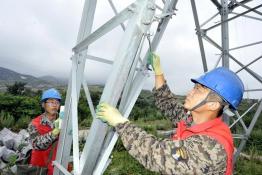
[99, 142]
[224, 9]
[129, 73]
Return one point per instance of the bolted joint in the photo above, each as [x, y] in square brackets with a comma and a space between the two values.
[147, 22]
[132, 8]
[151, 6]
[201, 32]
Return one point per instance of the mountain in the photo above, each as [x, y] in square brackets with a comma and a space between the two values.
[54, 80]
[8, 76]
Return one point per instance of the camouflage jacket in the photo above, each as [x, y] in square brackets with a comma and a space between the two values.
[198, 154]
[41, 142]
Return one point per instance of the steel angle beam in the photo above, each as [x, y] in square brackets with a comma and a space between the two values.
[86, 20]
[240, 117]
[224, 35]
[74, 102]
[258, 58]
[217, 4]
[250, 71]
[235, 4]
[225, 41]
[61, 168]
[101, 60]
[115, 11]
[69, 131]
[65, 138]
[249, 130]
[133, 90]
[138, 24]
[248, 16]
[107, 27]
[89, 99]
[200, 41]
[230, 19]
[208, 20]
[241, 121]
[248, 90]
[113, 136]
[244, 6]
[247, 45]
[131, 75]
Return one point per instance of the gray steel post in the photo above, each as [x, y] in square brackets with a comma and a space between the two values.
[225, 41]
[74, 104]
[224, 34]
[199, 33]
[65, 138]
[137, 26]
[134, 90]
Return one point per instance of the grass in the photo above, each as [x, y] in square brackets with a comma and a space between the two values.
[248, 167]
[123, 164]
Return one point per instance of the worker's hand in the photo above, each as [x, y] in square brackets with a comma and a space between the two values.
[109, 114]
[57, 126]
[55, 131]
[58, 123]
[154, 61]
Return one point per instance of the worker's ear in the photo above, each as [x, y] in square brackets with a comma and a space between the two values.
[213, 106]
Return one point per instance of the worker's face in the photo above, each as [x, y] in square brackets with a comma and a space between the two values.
[51, 107]
[195, 96]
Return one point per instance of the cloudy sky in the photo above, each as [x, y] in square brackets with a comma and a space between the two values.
[37, 38]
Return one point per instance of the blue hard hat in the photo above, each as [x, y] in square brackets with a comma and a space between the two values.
[225, 83]
[51, 93]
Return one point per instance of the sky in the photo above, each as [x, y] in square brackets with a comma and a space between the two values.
[37, 38]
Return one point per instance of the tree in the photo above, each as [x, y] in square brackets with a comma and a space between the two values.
[17, 88]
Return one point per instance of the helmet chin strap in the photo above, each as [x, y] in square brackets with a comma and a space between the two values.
[204, 101]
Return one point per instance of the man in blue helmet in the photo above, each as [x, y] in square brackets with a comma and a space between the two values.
[44, 131]
[202, 143]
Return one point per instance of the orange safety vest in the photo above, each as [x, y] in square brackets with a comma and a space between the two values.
[40, 157]
[216, 129]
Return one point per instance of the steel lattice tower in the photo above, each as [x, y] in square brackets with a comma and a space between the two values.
[129, 72]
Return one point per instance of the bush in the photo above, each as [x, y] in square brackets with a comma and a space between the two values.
[22, 122]
[20, 105]
[86, 123]
[18, 88]
[6, 120]
[249, 167]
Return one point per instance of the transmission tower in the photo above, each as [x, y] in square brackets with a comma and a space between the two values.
[129, 72]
